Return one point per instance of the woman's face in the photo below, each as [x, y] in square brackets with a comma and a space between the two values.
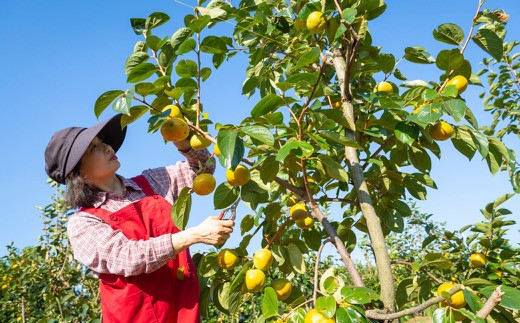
[99, 161]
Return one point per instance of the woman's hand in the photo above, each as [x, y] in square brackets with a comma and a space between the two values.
[213, 231]
[183, 145]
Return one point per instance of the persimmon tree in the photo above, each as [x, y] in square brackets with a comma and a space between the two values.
[332, 120]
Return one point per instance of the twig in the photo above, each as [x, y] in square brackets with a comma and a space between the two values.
[377, 315]
[480, 3]
[334, 199]
[316, 265]
[278, 232]
[378, 150]
[401, 262]
[294, 309]
[490, 304]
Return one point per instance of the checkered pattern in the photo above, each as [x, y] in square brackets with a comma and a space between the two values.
[105, 250]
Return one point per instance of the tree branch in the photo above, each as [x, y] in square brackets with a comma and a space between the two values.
[377, 315]
[316, 265]
[490, 304]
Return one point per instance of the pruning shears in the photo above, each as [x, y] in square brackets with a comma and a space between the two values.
[232, 208]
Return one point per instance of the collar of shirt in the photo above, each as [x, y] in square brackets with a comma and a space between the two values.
[101, 197]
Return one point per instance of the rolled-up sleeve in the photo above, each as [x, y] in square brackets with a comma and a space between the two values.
[170, 180]
[107, 251]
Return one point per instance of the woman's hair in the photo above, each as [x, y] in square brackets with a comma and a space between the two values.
[80, 192]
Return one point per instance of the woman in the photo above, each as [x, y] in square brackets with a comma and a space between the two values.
[123, 230]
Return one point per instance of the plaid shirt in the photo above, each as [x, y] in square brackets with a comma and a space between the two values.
[105, 250]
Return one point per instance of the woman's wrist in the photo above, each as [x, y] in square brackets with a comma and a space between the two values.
[184, 239]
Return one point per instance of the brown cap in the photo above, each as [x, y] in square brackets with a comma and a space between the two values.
[68, 145]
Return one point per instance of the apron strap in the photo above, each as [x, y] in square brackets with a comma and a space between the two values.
[143, 184]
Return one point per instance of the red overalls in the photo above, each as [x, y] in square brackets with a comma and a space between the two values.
[164, 295]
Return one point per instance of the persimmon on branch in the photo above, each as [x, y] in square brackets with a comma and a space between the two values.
[473, 23]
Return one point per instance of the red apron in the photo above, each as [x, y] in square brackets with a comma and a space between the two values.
[165, 295]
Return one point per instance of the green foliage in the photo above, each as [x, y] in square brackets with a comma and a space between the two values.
[44, 282]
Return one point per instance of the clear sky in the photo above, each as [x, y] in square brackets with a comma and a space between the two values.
[57, 57]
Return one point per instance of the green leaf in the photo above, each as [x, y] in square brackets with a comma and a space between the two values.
[269, 303]
[481, 143]
[371, 9]
[186, 68]
[330, 284]
[463, 142]
[511, 298]
[420, 159]
[418, 55]
[340, 139]
[326, 305]
[305, 149]
[138, 25]
[213, 45]
[349, 15]
[146, 88]
[472, 316]
[439, 315]
[231, 148]
[135, 113]
[349, 314]
[386, 63]
[205, 73]
[225, 195]
[490, 43]
[406, 133]
[187, 46]
[260, 133]
[267, 104]
[359, 295]
[236, 287]
[180, 211]
[475, 282]
[156, 19]
[141, 72]
[310, 56]
[214, 13]
[155, 43]
[134, 60]
[246, 224]
[456, 108]
[179, 37]
[449, 60]
[449, 33]
[333, 168]
[123, 104]
[104, 101]
[270, 168]
[296, 258]
[199, 23]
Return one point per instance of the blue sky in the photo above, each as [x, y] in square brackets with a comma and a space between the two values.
[57, 57]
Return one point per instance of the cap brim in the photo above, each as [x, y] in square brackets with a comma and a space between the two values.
[109, 131]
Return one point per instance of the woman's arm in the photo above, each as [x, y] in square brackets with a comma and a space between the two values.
[107, 251]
